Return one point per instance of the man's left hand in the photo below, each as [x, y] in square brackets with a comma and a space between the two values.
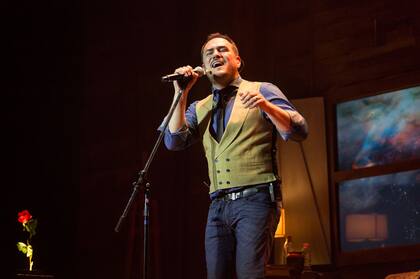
[252, 99]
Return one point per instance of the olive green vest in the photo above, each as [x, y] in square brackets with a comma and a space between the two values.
[244, 154]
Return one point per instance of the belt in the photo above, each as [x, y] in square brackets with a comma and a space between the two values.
[244, 193]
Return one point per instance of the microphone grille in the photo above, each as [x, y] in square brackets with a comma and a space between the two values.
[200, 71]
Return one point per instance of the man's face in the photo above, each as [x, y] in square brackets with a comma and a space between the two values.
[219, 56]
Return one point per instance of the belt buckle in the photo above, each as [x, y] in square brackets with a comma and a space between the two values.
[235, 196]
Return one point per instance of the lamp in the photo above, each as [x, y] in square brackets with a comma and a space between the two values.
[362, 227]
[278, 256]
[281, 227]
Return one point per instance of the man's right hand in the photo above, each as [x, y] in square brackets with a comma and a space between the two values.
[191, 78]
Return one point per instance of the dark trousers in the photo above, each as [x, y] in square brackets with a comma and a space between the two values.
[239, 235]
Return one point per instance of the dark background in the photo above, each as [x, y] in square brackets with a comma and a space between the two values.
[83, 100]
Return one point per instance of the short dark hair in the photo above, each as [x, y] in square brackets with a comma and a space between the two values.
[219, 35]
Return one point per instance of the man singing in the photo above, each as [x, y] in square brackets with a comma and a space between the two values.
[238, 124]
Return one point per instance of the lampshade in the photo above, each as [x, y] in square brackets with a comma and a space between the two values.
[281, 227]
[362, 227]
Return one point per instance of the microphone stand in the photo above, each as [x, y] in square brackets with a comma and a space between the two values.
[142, 177]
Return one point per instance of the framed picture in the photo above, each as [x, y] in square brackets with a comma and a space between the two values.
[374, 159]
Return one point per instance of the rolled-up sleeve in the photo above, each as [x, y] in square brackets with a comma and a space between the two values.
[186, 135]
[298, 127]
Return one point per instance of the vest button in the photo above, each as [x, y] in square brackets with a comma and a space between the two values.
[227, 182]
[220, 182]
[227, 159]
[218, 171]
[227, 170]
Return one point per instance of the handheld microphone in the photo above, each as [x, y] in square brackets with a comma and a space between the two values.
[172, 77]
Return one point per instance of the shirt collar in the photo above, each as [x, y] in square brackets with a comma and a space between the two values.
[236, 83]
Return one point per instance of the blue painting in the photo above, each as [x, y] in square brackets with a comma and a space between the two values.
[380, 211]
[379, 130]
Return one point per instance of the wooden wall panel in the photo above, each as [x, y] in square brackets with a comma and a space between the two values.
[307, 48]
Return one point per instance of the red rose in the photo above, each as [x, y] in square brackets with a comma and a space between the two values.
[24, 216]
